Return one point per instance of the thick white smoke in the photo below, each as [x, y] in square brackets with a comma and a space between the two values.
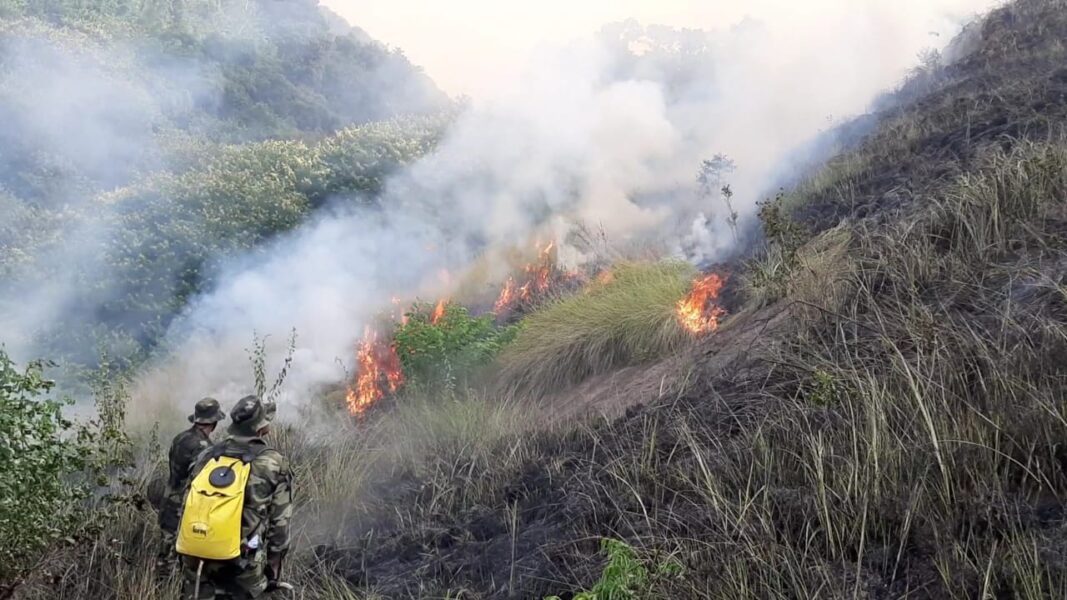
[608, 131]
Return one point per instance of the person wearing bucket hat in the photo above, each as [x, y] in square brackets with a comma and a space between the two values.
[186, 446]
[265, 514]
[250, 418]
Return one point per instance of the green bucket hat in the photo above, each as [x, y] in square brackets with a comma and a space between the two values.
[250, 415]
[206, 412]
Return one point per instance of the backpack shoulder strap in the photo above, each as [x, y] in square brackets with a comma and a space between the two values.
[253, 453]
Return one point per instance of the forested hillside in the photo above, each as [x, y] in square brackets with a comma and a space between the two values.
[143, 140]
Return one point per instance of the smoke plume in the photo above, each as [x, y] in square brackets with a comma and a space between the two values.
[608, 131]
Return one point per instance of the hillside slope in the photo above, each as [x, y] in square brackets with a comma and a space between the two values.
[894, 425]
[145, 142]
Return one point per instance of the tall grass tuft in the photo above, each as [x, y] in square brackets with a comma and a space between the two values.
[626, 320]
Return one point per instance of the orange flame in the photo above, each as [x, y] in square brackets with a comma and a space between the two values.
[378, 373]
[538, 278]
[438, 311]
[698, 312]
[540, 272]
[507, 296]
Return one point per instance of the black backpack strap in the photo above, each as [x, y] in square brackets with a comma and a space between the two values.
[251, 454]
[253, 451]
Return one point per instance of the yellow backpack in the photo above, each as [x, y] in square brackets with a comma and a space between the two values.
[210, 527]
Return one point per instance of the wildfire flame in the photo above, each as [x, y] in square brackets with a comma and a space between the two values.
[378, 372]
[438, 311]
[507, 296]
[698, 312]
[537, 276]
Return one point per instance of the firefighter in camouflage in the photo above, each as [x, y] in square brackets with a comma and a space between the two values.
[186, 446]
[264, 519]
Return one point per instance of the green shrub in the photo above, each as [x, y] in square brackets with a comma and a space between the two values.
[41, 455]
[625, 576]
[627, 320]
[440, 354]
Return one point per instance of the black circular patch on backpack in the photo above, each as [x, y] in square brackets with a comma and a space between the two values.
[222, 477]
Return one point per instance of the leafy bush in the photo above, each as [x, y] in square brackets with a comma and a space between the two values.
[626, 320]
[440, 354]
[42, 455]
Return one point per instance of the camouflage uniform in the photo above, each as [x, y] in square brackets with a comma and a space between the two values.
[186, 446]
[266, 513]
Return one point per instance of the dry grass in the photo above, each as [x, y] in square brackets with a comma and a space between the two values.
[914, 448]
[901, 440]
[815, 273]
[338, 474]
[629, 320]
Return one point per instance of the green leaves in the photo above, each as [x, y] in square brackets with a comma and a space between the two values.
[438, 354]
[626, 577]
[50, 466]
[39, 451]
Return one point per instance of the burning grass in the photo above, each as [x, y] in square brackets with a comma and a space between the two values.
[699, 312]
[378, 372]
[624, 319]
[899, 438]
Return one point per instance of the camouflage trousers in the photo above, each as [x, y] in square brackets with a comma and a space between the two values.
[166, 557]
[224, 580]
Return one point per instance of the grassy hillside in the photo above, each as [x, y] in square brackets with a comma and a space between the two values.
[625, 319]
[894, 431]
[891, 428]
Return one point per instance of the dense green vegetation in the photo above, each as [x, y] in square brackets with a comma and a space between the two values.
[155, 242]
[275, 68]
[49, 467]
[142, 143]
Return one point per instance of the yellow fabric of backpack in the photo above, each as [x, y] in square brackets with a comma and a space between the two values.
[210, 528]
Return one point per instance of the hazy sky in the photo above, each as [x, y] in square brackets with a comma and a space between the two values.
[466, 45]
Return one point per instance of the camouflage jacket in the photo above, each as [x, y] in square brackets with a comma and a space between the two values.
[268, 503]
[186, 446]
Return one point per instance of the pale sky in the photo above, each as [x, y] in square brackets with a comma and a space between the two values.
[464, 45]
